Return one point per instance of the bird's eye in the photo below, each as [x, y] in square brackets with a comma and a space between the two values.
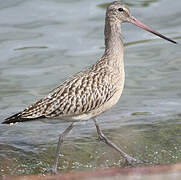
[120, 9]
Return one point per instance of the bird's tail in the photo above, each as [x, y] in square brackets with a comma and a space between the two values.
[18, 118]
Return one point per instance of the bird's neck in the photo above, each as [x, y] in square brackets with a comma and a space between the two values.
[113, 37]
[113, 41]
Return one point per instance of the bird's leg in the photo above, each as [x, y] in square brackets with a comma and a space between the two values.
[130, 160]
[60, 141]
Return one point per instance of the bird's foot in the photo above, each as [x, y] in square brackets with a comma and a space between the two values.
[53, 170]
[131, 161]
[100, 138]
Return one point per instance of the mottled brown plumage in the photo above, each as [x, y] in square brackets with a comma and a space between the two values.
[79, 95]
[82, 93]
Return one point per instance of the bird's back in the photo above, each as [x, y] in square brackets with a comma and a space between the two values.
[78, 96]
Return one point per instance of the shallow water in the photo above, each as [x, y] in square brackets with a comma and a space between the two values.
[43, 42]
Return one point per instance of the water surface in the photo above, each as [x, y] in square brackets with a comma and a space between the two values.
[43, 42]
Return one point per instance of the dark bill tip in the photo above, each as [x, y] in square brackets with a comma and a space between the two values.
[143, 26]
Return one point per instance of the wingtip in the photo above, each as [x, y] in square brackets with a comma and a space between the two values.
[18, 118]
[4, 122]
[12, 119]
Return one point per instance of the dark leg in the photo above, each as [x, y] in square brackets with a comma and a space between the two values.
[60, 141]
[130, 160]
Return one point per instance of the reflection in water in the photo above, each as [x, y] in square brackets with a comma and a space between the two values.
[41, 49]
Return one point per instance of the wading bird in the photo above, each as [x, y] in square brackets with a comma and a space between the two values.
[92, 91]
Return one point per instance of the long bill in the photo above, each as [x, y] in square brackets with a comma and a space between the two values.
[138, 23]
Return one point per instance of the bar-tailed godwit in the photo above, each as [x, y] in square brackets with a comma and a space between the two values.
[91, 91]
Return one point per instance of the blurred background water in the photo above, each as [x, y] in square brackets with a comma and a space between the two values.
[43, 42]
